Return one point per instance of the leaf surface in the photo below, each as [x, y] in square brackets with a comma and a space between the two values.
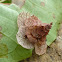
[10, 50]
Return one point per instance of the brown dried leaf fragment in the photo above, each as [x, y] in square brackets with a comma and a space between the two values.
[32, 21]
[40, 49]
[37, 36]
[22, 18]
[22, 40]
[32, 33]
[36, 33]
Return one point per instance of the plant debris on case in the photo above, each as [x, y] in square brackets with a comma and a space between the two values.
[32, 33]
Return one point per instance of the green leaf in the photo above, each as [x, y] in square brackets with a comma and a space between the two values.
[10, 50]
[7, 1]
[47, 11]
